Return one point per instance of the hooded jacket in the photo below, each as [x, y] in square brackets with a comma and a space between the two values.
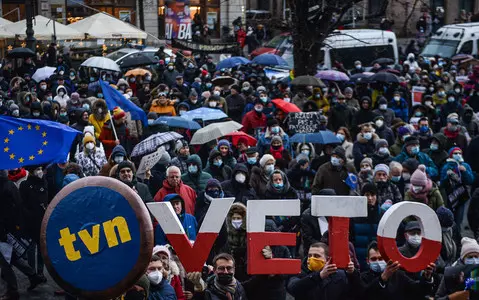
[160, 109]
[422, 158]
[363, 148]
[105, 170]
[242, 192]
[286, 192]
[98, 119]
[363, 115]
[438, 156]
[62, 99]
[221, 173]
[196, 181]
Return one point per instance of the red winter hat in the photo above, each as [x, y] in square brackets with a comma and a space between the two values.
[454, 149]
[118, 113]
[204, 73]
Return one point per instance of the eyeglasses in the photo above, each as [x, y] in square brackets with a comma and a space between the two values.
[225, 268]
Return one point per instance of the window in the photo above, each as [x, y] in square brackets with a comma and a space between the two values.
[466, 48]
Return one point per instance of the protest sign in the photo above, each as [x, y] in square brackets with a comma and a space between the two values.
[462, 80]
[417, 93]
[304, 122]
[148, 161]
[96, 238]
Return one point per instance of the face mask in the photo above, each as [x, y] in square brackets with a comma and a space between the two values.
[315, 264]
[216, 93]
[224, 278]
[212, 104]
[49, 98]
[397, 98]
[209, 85]
[424, 129]
[218, 163]
[194, 101]
[318, 95]
[182, 112]
[258, 109]
[471, 261]
[379, 123]
[384, 151]
[406, 176]
[335, 161]
[415, 150]
[38, 173]
[278, 186]
[287, 100]
[457, 157]
[86, 106]
[395, 178]
[340, 136]
[43, 87]
[457, 91]
[63, 114]
[236, 224]
[383, 106]
[61, 94]
[453, 128]
[275, 129]
[155, 277]
[170, 68]
[269, 169]
[90, 146]
[193, 169]
[441, 94]
[434, 147]
[366, 169]
[36, 114]
[306, 152]
[368, 135]
[431, 89]
[418, 114]
[130, 94]
[99, 95]
[118, 159]
[416, 189]
[414, 240]
[240, 177]
[377, 266]
[215, 193]
[264, 99]
[358, 67]
[451, 99]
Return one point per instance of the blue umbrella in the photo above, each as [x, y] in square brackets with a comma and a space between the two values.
[205, 114]
[178, 122]
[322, 137]
[268, 59]
[232, 62]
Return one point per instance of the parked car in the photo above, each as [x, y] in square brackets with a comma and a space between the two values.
[453, 39]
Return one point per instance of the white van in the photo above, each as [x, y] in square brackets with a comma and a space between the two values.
[348, 46]
[454, 39]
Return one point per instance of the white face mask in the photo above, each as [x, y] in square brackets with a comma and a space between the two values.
[36, 114]
[379, 123]
[194, 101]
[416, 189]
[217, 93]
[100, 110]
[414, 240]
[155, 277]
[90, 146]
[130, 94]
[212, 104]
[383, 106]
[61, 94]
[287, 100]
[240, 177]
[406, 176]
[237, 224]
[118, 159]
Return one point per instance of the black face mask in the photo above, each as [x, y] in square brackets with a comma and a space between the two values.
[135, 295]
[275, 147]
[224, 278]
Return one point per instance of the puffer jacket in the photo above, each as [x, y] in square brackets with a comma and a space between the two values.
[98, 119]
[466, 177]
[363, 232]
[164, 110]
[196, 181]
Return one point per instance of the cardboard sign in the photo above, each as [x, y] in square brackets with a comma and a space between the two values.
[304, 122]
[96, 238]
[417, 92]
[149, 161]
[430, 230]
[462, 80]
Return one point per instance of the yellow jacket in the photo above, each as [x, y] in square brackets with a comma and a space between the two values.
[98, 124]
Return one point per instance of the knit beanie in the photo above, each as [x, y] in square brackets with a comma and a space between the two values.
[144, 282]
[265, 159]
[348, 90]
[369, 188]
[89, 129]
[403, 131]
[410, 164]
[368, 161]
[445, 216]
[193, 93]
[75, 96]
[276, 138]
[381, 167]
[339, 151]
[468, 246]
[118, 113]
[451, 151]
[302, 159]
[87, 139]
[212, 182]
[411, 141]
[163, 249]
[419, 177]
[381, 143]
[224, 143]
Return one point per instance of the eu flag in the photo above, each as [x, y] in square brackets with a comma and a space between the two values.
[33, 142]
[114, 98]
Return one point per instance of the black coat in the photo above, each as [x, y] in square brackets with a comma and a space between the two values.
[340, 116]
[34, 193]
[310, 231]
[221, 174]
[386, 134]
[11, 217]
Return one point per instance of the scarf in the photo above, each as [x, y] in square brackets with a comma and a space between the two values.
[17, 176]
[451, 135]
[277, 154]
[423, 195]
[228, 290]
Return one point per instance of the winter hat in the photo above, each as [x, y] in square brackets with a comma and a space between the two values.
[339, 151]
[87, 139]
[445, 216]
[411, 164]
[451, 151]
[251, 150]
[403, 131]
[381, 167]
[212, 182]
[381, 143]
[367, 160]
[419, 177]
[348, 90]
[180, 144]
[386, 205]
[468, 246]
[144, 282]
[163, 249]
[411, 141]
[272, 122]
[125, 164]
[382, 100]
[13, 107]
[213, 154]
[224, 143]
[369, 188]
[69, 178]
[75, 97]
[118, 113]
[193, 93]
[276, 138]
[265, 159]
[302, 159]
[454, 117]
[261, 89]
[89, 129]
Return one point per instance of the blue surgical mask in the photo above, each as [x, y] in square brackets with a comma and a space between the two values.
[92, 79]
[377, 266]
[278, 186]
[434, 147]
[340, 137]
[458, 157]
[368, 135]
[264, 99]
[100, 95]
[193, 169]
[306, 152]
[275, 129]
[415, 150]
[384, 151]
[424, 129]
[395, 178]
[252, 160]
[208, 85]
[451, 99]
[418, 114]
[218, 163]
[335, 161]
[471, 261]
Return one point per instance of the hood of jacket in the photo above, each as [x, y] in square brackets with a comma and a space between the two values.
[171, 197]
[286, 185]
[312, 153]
[236, 208]
[122, 81]
[195, 159]
[61, 87]
[441, 138]
[117, 150]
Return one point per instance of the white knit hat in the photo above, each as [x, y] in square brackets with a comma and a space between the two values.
[468, 246]
[90, 129]
[161, 248]
[381, 167]
[265, 159]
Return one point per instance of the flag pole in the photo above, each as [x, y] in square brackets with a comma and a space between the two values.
[113, 125]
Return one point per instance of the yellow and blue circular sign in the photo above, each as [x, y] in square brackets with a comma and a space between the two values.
[96, 237]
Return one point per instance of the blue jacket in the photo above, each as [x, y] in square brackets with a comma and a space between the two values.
[163, 291]
[467, 177]
[364, 231]
[400, 109]
[264, 142]
[422, 158]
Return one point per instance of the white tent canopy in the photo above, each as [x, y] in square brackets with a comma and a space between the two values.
[43, 28]
[103, 26]
[5, 22]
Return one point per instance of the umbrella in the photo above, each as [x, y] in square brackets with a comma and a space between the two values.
[137, 60]
[205, 114]
[101, 62]
[332, 75]
[322, 137]
[178, 122]
[384, 77]
[235, 136]
[460, 57]
[268, 59]
[43, 73]
[154, 141]
[214, 131]
[359, 78]
[306, 80]
[383, 61]
[287, 107]
[137, 72]
[223, 80]
[232, 62]
[21, 53]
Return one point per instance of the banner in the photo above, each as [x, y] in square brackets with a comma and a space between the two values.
[178, 20]
[417, 92]
[232, 48]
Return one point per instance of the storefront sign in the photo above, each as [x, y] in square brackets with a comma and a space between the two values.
[178, 20]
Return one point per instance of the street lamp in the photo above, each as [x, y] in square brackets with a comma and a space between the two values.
[30, 40]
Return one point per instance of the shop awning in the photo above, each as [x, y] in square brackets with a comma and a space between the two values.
[103, 26]
[43, 29]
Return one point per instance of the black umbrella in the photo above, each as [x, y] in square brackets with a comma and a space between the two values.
[137, 61]
[383, 61]
[223, 80]
[360, 78]
[21, 53]
[384, 77]
[306, 80]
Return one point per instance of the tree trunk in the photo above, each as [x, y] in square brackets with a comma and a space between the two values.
[404, 30]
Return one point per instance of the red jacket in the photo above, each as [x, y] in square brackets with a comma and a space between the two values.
[176, 284]
[251, 121]
[187, 193]
[107, 138]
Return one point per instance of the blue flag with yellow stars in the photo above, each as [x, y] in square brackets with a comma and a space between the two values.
[26, 142]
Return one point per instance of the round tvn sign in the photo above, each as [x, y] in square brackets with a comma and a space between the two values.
[96, 238]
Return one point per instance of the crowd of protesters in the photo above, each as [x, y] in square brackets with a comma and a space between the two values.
[399, 152]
